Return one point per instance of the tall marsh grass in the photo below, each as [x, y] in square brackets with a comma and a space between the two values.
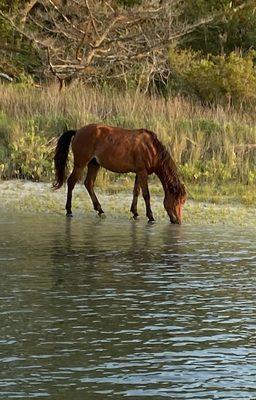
[213, 145]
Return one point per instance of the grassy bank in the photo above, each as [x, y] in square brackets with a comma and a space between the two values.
[215, 148]
[37, 197]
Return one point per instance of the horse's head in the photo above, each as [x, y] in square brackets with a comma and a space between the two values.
[174, 201]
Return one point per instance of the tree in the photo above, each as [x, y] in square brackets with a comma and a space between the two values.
[101, 40]
[234, 28]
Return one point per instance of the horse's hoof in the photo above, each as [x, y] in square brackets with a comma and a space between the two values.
[101, 214]
[151, 220]
[135, 216]
[69, 215]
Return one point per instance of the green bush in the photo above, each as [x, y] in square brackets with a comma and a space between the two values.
[222, 79]
[30, 157]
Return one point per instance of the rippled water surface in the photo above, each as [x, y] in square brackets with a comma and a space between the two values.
[97, 309]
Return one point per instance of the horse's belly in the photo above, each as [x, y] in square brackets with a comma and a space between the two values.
[115, 165]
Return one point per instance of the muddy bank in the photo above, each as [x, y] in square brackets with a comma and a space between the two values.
[31, 197]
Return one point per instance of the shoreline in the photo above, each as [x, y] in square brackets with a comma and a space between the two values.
[36, 197]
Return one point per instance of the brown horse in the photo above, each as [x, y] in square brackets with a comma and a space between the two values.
[120, 150]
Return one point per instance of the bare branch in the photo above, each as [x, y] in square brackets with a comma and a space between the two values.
[65, 18]
[5, 76]
[163, 43]
[92, 18]
[100, 38]
[26, 10]
[21, 31]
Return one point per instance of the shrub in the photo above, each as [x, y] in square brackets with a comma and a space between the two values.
[30, 157]
[221, 79]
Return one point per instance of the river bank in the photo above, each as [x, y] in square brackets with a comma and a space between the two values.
[212, 146]
[33, 197]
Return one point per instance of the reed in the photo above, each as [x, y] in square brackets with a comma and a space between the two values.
[211, 145]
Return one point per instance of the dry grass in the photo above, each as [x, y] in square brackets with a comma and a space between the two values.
[210, 144]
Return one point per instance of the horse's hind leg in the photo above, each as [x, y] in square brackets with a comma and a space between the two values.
[72, 179]
[136, 192]
[93, 169]
[143, 181]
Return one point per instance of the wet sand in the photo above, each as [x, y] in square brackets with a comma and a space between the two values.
[32, 197]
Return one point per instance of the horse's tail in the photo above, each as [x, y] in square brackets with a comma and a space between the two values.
[61, 156]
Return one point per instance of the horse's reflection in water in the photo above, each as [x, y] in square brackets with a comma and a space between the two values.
[101, 251]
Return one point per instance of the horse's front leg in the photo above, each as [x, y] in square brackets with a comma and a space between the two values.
[136, 192]
[143, 182]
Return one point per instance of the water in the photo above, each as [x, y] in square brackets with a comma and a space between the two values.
[112, 309]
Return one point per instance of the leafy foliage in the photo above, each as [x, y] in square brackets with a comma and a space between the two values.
[233, 28]
[218, 79]
[28, 156]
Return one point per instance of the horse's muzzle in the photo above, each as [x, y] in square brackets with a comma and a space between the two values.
[175, 221]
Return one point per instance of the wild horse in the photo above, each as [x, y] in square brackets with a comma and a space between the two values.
[120, 150]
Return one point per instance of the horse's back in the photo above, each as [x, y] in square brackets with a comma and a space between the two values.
[117, 149]
[105, 130]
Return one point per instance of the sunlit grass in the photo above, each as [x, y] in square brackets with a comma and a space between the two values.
[215, 148]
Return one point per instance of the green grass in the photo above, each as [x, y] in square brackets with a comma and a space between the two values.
[215, 148]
